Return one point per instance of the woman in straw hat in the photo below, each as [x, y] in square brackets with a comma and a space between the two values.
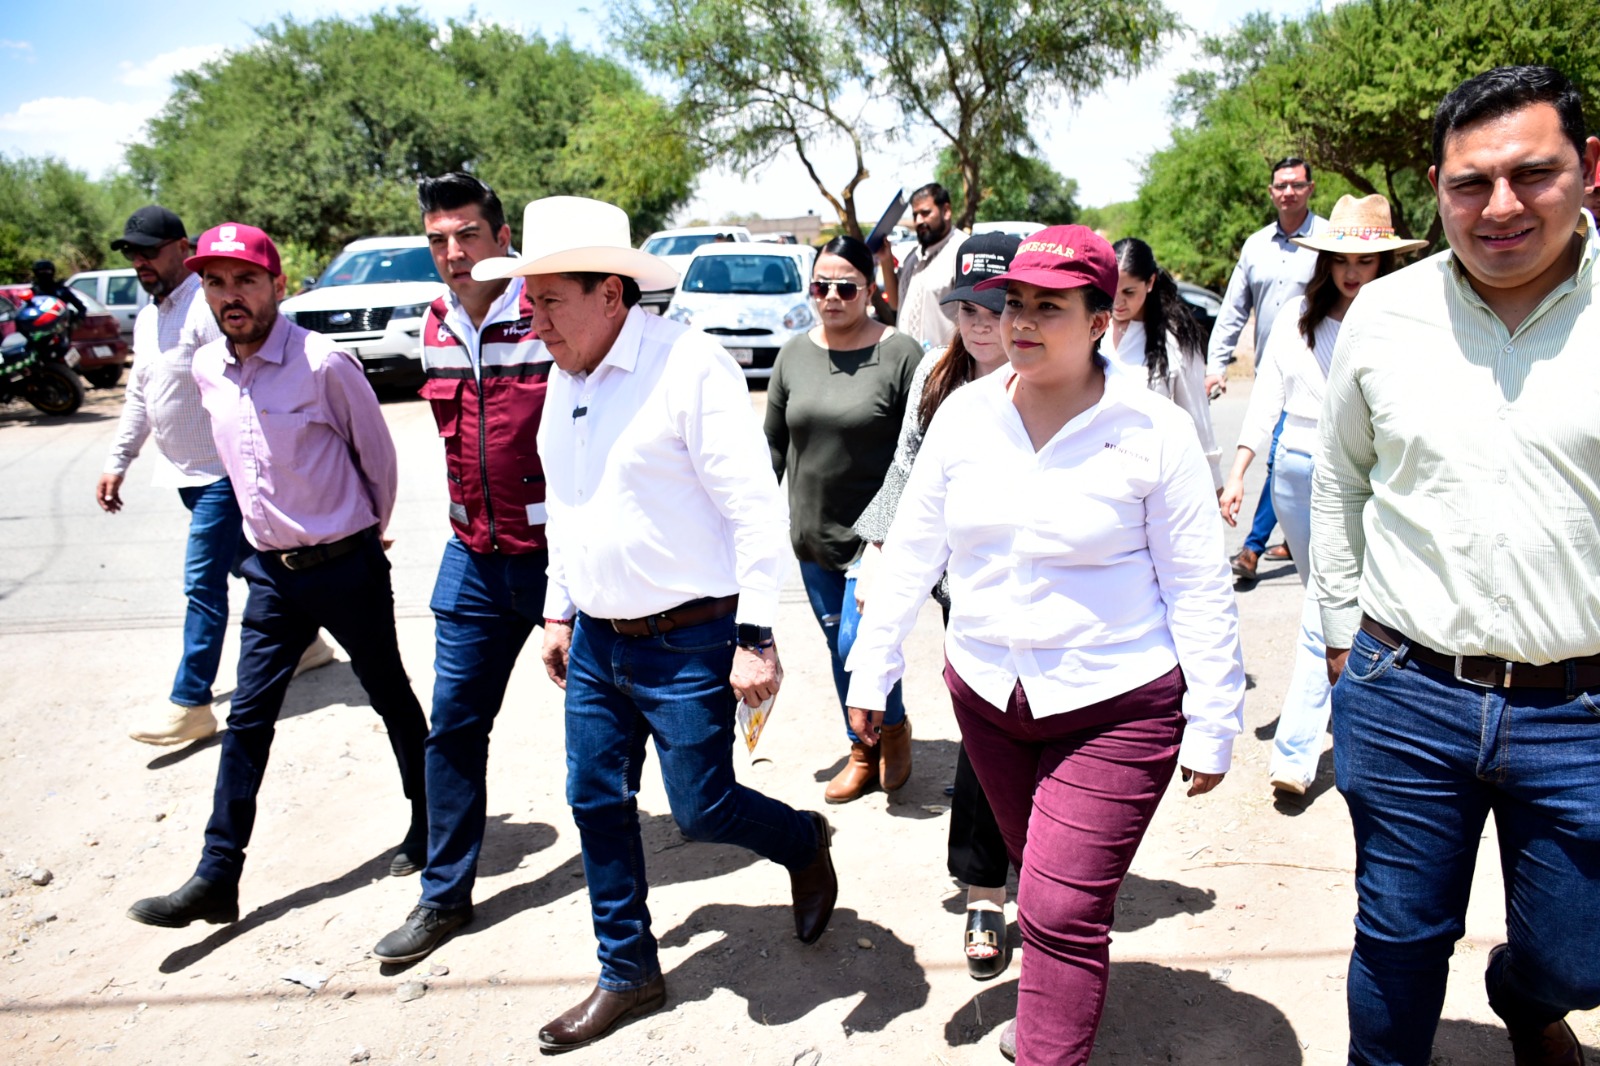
[1357, 246]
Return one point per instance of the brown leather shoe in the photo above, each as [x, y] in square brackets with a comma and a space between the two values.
[894, 764]
[1551, 1045]
[1277, 553]
[599, 1014]
[859, 776]
[815, 888]
[1244, 564]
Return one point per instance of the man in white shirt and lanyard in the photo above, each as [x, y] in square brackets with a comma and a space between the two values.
[163, 401]
[668, 548]
[1455, 547]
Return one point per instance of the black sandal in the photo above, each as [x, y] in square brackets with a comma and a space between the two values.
[986, 934]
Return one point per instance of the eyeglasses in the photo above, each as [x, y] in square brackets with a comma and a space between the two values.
[846, 289]
[1286, 186]
[134, 254]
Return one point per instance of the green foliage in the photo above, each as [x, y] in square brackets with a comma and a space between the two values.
[1016, 187]
[50, 211]
[319, 131]
[1112, 221]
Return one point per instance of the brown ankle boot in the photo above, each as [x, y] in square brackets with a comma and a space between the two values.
[894, 768]
[858, 777]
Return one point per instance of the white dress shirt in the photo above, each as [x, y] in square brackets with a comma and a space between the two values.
[1184, 385]
[1292, 384]
[658, 484]
[161, 396]
[1084, 570]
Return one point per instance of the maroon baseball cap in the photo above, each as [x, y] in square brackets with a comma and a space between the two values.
[234, 240]
[1061, 257]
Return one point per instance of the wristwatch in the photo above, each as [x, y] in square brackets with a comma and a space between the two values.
[755, 638]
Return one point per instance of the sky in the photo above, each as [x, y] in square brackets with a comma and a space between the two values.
[57, 101]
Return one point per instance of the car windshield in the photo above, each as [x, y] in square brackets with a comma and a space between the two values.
[683, 244]
[763, 275]
[376, 266]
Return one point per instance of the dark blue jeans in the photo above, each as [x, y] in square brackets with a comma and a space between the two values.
[1422, 760]
[672, 689]
[350, 597]
[484, 608]
[1266, 517]
[216, 547]
[837, 615]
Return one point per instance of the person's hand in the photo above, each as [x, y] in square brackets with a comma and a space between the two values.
[386, 543]
[1199, 783]
[866, 573]
[108, 493]
[757, 674]
[1230, 499]
[1216, 385]
[1336, 660]
[557, 646]
[885, 256]
[866, 725]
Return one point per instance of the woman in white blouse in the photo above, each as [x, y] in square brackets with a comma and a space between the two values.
[1093, 642]
[1158, 342]
[1357, 246]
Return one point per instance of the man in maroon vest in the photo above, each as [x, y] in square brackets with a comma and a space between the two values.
[486, 373]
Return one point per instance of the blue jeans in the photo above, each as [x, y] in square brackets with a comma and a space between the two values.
[1297, 744]
[484, 609]
[1266, 518]
[350, 597]
[833, 601]
[216, 547]
[672, 689]
[1422, 759]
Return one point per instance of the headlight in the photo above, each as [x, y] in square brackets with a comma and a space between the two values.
[410, 311]
[799, 317]
[679, 313]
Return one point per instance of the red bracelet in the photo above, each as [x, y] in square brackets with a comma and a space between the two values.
[558, 621]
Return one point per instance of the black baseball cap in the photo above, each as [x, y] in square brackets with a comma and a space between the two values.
[983, 256]
[148, 227]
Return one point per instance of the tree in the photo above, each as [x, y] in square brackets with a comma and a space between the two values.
[1016, 187]
[758, 77]
[50, 211]
[320, 130]
[975, 70]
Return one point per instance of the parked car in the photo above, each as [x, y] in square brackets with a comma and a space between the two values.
[676, 246]
[1016, 229]
[372, 299]
[750, 297]
[118, 290]
[98, 351]
[1204, 304]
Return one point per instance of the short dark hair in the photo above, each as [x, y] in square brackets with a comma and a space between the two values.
[447, 192]
[589, 279]
[941, 195]
[852, 250]
[1291, 161]
[1503, 90]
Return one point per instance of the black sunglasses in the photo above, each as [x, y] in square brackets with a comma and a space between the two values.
[134, 253]
[846, 289]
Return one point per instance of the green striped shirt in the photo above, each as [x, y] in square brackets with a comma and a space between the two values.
[1457, 497]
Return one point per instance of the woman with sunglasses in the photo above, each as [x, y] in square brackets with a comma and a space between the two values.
[1093, 644]
[834, 407]
[1357, 246]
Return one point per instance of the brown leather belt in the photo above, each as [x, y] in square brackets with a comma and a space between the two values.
[1486, 671]
[317, 554]
[693, 613]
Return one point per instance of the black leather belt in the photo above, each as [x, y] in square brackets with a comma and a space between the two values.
[1486, 671]
[317, 554]
[693, 613]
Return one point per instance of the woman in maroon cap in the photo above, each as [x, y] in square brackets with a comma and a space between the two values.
[1093, 644]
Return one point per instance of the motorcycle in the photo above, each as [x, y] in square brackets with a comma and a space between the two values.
[33, 357]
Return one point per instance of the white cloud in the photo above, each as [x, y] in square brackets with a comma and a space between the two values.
[84, 132]
[158, 70]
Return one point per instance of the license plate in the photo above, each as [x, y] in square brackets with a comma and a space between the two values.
[743, 356]
[73, 359]
[103, 351]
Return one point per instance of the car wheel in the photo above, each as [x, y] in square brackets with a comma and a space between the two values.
[104, 377]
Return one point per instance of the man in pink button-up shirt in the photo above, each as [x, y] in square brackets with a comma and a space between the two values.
[313, 468]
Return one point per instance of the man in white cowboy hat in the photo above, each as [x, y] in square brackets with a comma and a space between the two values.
[668, 546]
[1455, 547]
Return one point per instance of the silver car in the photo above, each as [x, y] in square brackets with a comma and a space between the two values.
[750, 297]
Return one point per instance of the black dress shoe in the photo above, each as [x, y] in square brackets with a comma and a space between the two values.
[198, 900]
[815, 888]
[599, 1014]
[412, 854]
[425, 929]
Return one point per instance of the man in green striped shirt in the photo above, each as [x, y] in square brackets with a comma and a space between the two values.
[1456, 552]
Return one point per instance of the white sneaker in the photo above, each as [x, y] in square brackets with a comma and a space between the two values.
[318, 653]
[176, 724]
[1293, 785]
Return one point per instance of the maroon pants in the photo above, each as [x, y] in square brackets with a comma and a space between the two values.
[1074, 794]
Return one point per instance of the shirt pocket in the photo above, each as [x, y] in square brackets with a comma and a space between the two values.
[444, 396]
[286, 433]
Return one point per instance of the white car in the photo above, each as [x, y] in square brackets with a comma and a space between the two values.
[119, 290]
[676, 246]
[372, 299]
[1019, 230]
[750, 297]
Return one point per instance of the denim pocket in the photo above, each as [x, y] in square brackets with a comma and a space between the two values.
[698, 640]
[1369, 660]
[1586, 700]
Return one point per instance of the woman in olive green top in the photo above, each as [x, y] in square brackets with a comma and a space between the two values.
[834, 408]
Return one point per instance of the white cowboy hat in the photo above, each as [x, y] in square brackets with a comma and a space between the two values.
[1359, 227]
[574, 234]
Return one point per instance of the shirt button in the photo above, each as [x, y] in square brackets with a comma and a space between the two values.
[1502, 478]
[1501, 539]
[1504, 413]
[1508, 349]
[1503, 601]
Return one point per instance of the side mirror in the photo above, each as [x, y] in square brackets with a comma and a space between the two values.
[307, 284]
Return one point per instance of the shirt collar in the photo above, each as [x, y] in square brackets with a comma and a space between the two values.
[273, 348]
[1307, 224]
[1586, 261]
[624, 353]
[925, 254]
[506, 306]
[190, 283]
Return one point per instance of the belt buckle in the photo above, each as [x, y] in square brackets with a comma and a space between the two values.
[1481, 684]
[289, 559]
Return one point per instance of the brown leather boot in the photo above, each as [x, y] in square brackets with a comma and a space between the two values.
[859, 776]
[894, 768]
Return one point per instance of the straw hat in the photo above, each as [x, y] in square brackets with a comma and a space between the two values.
[574, 234]
[1359, 227]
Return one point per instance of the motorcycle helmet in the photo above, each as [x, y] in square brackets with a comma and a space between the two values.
[43, 316]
